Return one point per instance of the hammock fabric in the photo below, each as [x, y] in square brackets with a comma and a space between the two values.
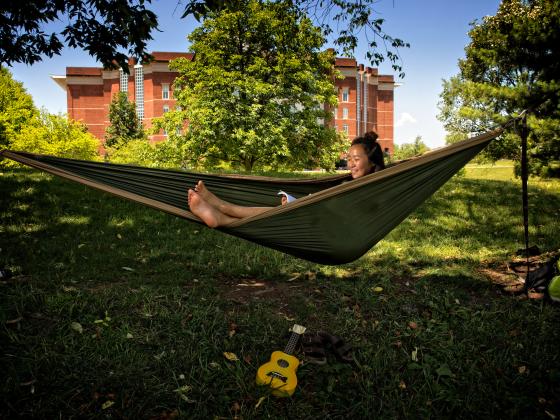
[332, 222]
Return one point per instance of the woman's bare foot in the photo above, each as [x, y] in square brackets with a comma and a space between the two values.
[209, 214]
[208, 196]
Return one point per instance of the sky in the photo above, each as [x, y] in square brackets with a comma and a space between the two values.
[437, 31]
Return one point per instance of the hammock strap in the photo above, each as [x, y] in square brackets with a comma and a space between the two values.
[525, 195]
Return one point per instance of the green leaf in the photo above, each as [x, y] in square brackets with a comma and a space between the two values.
[444, 370]
[76, 326]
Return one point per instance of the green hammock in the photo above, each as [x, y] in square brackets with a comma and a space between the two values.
[332, 222]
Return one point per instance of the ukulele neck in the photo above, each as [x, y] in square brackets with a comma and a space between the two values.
[297, 330]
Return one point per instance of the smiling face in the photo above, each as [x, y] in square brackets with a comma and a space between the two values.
[358, 161]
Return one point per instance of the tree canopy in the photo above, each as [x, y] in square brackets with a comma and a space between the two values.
[16, 107]
[408, 150]
[345, 19]
[258, 92]
[111, 30]
[24, 127]
[56, 135]
[511, 64]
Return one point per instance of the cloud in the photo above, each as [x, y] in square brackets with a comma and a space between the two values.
[404, 119]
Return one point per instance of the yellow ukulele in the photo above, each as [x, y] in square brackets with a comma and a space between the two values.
[280, 372]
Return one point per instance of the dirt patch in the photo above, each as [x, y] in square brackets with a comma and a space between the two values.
[511, 276]
[244, 291]
[278, 295]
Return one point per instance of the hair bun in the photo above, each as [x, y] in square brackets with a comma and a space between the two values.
[371, 137]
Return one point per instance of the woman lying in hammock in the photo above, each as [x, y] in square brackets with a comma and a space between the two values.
[364, 157]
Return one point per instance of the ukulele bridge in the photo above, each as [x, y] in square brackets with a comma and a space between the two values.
[277, 376]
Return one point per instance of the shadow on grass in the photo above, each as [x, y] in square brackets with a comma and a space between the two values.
[159, 300]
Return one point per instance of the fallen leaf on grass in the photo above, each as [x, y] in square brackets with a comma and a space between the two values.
[402, 385]
[107, 404]
[522, 370]
[295, 276]
[549, 414]
[259, 402]
[230, 356]
[31, 382]
[14, 321]
[127, 268]
[129, 336]
[76, 326]
[377, 289]
[183, 391]
[412, 325]
[310, 275]
[232, 329]
[414, 355]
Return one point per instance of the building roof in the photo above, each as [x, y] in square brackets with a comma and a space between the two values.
[163, 56]
[84, 71]
[345, 62]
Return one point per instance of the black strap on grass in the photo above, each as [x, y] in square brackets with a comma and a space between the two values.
[523, 132]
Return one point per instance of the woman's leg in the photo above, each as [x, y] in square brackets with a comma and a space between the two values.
[225, 207]
[208, 213]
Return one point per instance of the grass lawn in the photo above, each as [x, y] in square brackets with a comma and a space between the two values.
[119, 311]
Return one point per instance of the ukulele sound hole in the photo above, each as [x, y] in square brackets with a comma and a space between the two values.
[283, 363]
[277, 376]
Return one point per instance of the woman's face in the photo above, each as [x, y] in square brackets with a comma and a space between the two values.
[358, 162]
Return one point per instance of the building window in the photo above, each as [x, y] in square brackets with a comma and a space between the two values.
[139, 90]
[123, 77]
[358, 99]
[335, 113]
[165, 109]
[165, 91]
[344, 113]
[345, 95]
[366, 103]
[345, 128]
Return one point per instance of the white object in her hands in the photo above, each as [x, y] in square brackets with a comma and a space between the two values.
[289, 197]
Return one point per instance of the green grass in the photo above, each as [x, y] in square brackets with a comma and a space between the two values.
[159, 300]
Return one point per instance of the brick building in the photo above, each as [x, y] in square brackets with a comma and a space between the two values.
[365, 97]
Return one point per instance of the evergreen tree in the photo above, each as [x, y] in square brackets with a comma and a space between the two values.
[512, 64]
[124, 125]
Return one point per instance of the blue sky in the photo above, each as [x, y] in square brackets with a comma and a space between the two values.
[436, 29]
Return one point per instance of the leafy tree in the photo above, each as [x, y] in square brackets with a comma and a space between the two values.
[350, 18]
[16, 108]
[102, 27]
[408, 150]
[56, 135]
[255, 91]
[511, 65]
[124, 124]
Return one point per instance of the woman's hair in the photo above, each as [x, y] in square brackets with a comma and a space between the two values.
[372, 149]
